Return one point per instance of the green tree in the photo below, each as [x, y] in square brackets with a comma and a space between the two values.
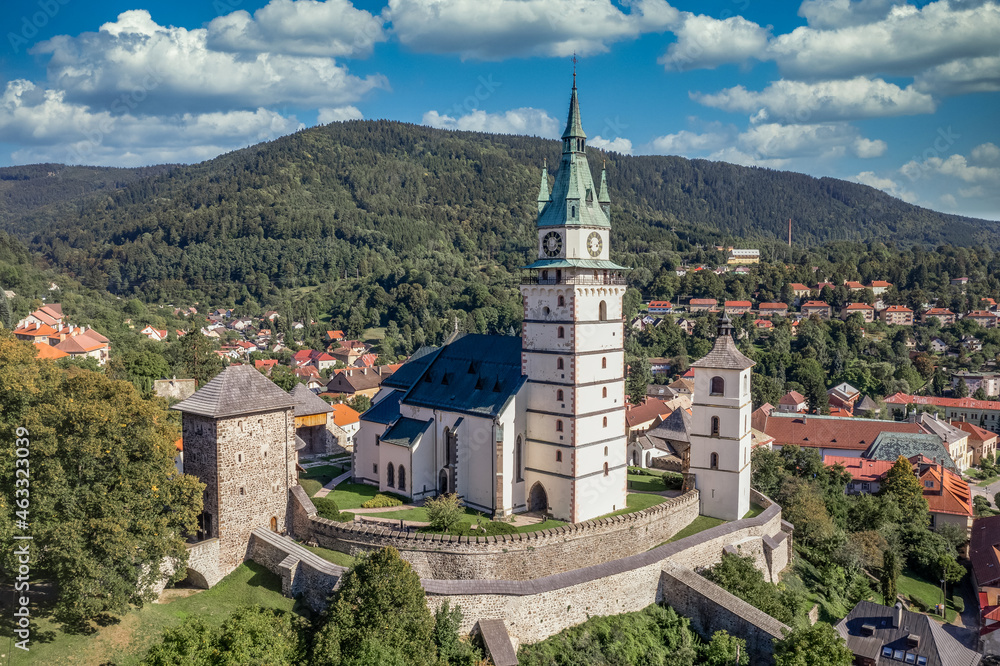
[816, 645]
[6, 311]
[444, 512]
[378, 617]
[725, 650]
[640, 376]
[360, 403]
[904, 487]
[452, 651]
[961, 390]
[198, 358]
[284, 377]
[741, 577]
[980, 394]
[888, 577]
[981, 505]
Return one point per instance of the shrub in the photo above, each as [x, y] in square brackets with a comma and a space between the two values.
[918, 602]
[958, 603]
[443, 512]
[380, 501]
[326, 508]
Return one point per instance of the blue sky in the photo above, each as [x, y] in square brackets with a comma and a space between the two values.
[899, 95]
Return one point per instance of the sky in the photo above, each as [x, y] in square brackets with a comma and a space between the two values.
[902, 96]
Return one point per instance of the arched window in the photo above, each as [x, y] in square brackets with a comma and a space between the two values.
[561, 332]
[402, 478]
[605, 421]
[605, 469]
[746, 384]
[561, 301]
[545, 275]
[605, 450]
[545, 310]
[559, 426]
[604, 363]
[517, 459]
[602, 311]
[558, 456]
[559, 364]
[390, 476]
[715, 426]
[714, 461]
[559, 395]
[718, 386]
[573, 213]
[604, 392]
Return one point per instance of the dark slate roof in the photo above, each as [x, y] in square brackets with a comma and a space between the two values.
[939, 648]
[308, 403]
[405, 432]
[385, 411]
[475, 374]
[239, 389]
[866, 405]
[497, 642]
[676, 427]
[724, 355]
[984, 549]
[410, 372]
[891, 445]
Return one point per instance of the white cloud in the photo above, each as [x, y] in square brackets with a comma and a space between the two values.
[866, 148]
[949, 200]
[301, 27]
[985, 153]
[706, 42]
[887, 185]
[736, 156]
[961, 77]
[516, 121]
[955, 166]
[328, 115]
[825, 14]
[496, 29]
[907, 41]
[617, 145]
[822, 141]
[172, 70]
[51, 129]
[802, 102]
[970, 192]
[690, 143]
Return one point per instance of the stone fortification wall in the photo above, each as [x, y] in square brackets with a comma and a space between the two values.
[302, 572]
[504, 557]
[203, 563]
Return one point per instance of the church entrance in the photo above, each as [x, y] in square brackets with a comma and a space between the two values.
[538, 500]
[443, 482]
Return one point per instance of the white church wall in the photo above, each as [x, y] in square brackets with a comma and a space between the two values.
[397, 456]
[366, 454]
[600, 367]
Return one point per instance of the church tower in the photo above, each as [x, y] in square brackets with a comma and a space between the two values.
[720, 428]
[573, 465]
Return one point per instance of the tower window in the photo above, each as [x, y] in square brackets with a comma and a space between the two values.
[715, 426]
[603, 311]
[604, 363]
[561, 301]
[714, 461]
[558, 456]
[605, 450]
[243, 491]
[605, 421]
[559, 364]
[559, 395]
[605, 469]
[561, 333]
[559, 426]
[573, 209]
[604, 392]
[718, 386]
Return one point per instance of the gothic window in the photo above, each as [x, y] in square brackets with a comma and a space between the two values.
[559, 395]
[561, 333]
[605, 421]
[390, 476]
[402, 478]
[558, 456]
[604, 363]
[602, 310]
[559, 364]
[604, 392]
[715, 426]
[518, 453]
[378, 439]
[561, 301]
[559, 426]
[573, 214]
[714, 461]
[718, 386]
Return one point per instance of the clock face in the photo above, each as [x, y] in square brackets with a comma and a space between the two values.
[552, 244]
[594, 244]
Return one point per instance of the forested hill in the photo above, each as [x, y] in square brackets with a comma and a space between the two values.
[378, 197]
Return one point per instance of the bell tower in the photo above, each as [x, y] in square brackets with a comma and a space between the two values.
[573, 345]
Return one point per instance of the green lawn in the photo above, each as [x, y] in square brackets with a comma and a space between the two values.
[699, 524]
[646, 483]
[315, 478]
[126, 642]
[754, 511]
[988, 481]
[377, 333]
[910, 584]
[335, 556]
[353, 495]
[636, 502]
[417, 513]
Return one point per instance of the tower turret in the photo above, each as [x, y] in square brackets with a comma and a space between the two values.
[602, 197]
[543, 190]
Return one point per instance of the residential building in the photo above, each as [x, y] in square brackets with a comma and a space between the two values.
[47, 315]
[938, 346]
[897, 315]
[985, 413]
[983, 318]
[47, 352]
[879, 287]
[819, 308]
[312, 420]
[982, 443]
[640, 418]
[880, 636]
[35, 332]
[659, 365]
[86, 344]
[763, 324]
[866, 311]
[318, 359]
[349, 352]
[944, 316]
[736, 307]
[984, 553]
[960, 282]
[346, 423]
[843, 396]
[335, 336]
[972, 343]
[266, 366]
[853, 285]
[738, 256]
[800, 290]
[154, 334]
[686, 325]
[830, 435]
[891, 444]
[771, 309]
[793, 402]
[988, 381]
[667, 446]
[702, 304]
[659, 307]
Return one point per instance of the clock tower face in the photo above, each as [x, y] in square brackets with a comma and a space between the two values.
[552, 244]
[594, 244]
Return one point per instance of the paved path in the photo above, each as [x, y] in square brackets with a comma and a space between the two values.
[325, 490]
[966, 627]
[985, 491]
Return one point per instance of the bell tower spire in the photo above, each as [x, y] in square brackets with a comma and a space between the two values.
[543, 189]
[602, 196]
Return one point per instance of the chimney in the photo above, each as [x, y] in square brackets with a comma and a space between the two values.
[897, 615]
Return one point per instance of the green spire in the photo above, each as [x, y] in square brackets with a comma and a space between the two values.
[543, 190]
[574, 128]
[603, 200]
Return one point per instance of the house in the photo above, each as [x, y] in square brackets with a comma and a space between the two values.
[879, 635]
[800, 290]
[983, 318]
[271, 315]
[246, 347]
[938, 346]
[86, 344]
[763, 324]
[897, 315]
[49, 315]
[944, 316]
[988, 381]
[349, 352]
[737, 256]
[667, 446]
[659, 307]
[853, 285]
[737, 307]
[972, 343]
[982, 443]
[984, 412]
[358, 381]
[155, 334]
[640, 418]
[793, 402]
[832, 435]
[742, 270]
[241, 324]
[867, 406]
[771, 309]
[823, 285]
[47, 352]
[35, 332]
[955, 439]
[318, 359]
[335, 336]
[266, 366]
[879, 287]
[866, 311]
[960, 282]
[660, 365]
[346, 423]
[819, 308]
[686, 325]
[702, 304]
[843, 396]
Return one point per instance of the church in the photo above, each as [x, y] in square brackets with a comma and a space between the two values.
[537, 422]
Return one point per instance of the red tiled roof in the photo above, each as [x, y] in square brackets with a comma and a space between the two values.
[79, 344]
[815, 304]
[939, 311]
[830, 432]
[860, 469]
[335, 335]
[792, 398]
[859, 306]
[798, 286]
[772, 306]
[702, 301]
[344, 415]
[660, 304]
[956, 497]
[35, 330]
[975, 432]
[880, 283]
[302, 354]
[898, 308]
[267, 363]
[646, 412]
[738, 304]
[763, 323]
[850, 284]
[46, 351]
[982, 313]
[967, 403]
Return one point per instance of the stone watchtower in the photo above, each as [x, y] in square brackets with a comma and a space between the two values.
[239, 440]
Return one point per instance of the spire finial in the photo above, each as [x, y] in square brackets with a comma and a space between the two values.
[574, 70]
